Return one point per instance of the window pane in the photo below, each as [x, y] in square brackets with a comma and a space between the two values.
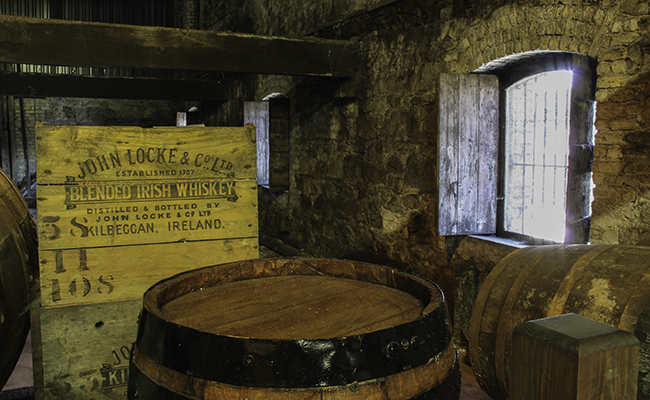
[536, 155]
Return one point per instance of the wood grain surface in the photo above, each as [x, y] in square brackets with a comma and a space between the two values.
[573, 357]
[119, 209]
[602, 282]
[467, 154]
[294, 307]
[51, 41]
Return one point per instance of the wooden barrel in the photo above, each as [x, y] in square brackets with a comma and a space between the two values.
[19, 213]
[607, 283]
[18, 269]
[294, 328]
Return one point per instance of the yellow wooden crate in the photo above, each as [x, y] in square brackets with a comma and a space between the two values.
[120, 208]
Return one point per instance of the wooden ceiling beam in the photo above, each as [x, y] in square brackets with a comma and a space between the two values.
[58, 42]
[47, 85]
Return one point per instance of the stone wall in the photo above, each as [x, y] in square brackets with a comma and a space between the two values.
[622, 162]
[364, 151]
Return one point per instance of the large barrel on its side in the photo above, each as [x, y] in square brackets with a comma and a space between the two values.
[607, 283]
[18, 273]
[294, 328]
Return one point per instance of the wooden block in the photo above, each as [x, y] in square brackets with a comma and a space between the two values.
[572, 357]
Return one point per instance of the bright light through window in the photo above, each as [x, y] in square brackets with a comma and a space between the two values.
[537, 143]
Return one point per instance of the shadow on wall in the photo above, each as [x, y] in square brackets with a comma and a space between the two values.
[621, 206]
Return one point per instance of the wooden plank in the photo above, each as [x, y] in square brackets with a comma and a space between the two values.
[257, 113]
[96, 191]
[45, 85]
[99, 215]
[98, 275]
[294, 307]
[468, 144]
[448, 155]
[86, 349]
[468, 115]
[48, 41]
[94, 154]
[488, 147]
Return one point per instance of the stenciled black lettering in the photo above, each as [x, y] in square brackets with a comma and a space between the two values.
[106, 283]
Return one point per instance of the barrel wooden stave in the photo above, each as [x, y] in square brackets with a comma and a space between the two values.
[14, 291]
[19, 212]
[18, 273]
[429, 370]
[601, 282]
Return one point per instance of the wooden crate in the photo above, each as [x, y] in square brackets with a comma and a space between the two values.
[120, 208]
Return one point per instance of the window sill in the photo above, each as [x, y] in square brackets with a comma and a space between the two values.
[502, 241]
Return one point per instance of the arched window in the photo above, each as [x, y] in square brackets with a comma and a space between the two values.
[516, 147]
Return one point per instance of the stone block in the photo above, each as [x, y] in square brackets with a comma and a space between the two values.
[604, 68]
[624, 124]
[603, 167]
[619, 67]
[624, 39]
[599, 16]
[612, 54]
[614, 81]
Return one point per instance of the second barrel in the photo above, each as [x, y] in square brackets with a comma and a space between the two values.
[606, 283]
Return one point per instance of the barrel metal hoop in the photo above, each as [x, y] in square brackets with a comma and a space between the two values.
[556, 306]
[294, 363]
[431, 381]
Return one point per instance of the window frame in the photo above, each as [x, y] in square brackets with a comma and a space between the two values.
[271, 119]
[581, 143]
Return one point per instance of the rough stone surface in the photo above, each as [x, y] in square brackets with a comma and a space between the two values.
[363, 151]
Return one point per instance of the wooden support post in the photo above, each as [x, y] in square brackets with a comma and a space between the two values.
[572, 357]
